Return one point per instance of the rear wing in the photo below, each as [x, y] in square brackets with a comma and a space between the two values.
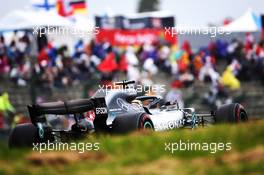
[36, 111]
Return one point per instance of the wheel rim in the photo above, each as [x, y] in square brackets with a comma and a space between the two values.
[243, 116]
[148, 125]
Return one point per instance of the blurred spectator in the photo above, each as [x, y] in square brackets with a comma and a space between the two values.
[175, 94]
[132, 65]
[6, 110]
[207, 72]
[229, 76]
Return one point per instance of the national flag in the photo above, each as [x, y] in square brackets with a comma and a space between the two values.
[79, 6]
[44, 4]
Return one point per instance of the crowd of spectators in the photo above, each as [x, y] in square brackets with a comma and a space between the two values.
[56, 67]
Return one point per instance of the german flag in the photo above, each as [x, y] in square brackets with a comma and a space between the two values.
[78, 6]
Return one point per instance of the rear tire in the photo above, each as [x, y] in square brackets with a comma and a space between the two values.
[23, 135]
[231, 113]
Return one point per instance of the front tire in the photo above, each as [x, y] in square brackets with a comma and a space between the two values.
[145, 123]
[231, 113]
[132, 122]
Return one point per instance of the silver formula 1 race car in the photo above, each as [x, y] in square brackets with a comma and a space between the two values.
[114, 111]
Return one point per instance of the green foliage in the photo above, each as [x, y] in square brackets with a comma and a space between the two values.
[144, 153]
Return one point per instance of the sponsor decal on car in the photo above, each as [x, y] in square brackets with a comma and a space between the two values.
[101, 110]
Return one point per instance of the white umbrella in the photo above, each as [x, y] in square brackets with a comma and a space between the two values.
[27, 19]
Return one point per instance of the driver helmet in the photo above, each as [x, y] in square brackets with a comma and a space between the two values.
[137, 102]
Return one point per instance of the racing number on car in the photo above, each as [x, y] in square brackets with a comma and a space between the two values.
[99, 111]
